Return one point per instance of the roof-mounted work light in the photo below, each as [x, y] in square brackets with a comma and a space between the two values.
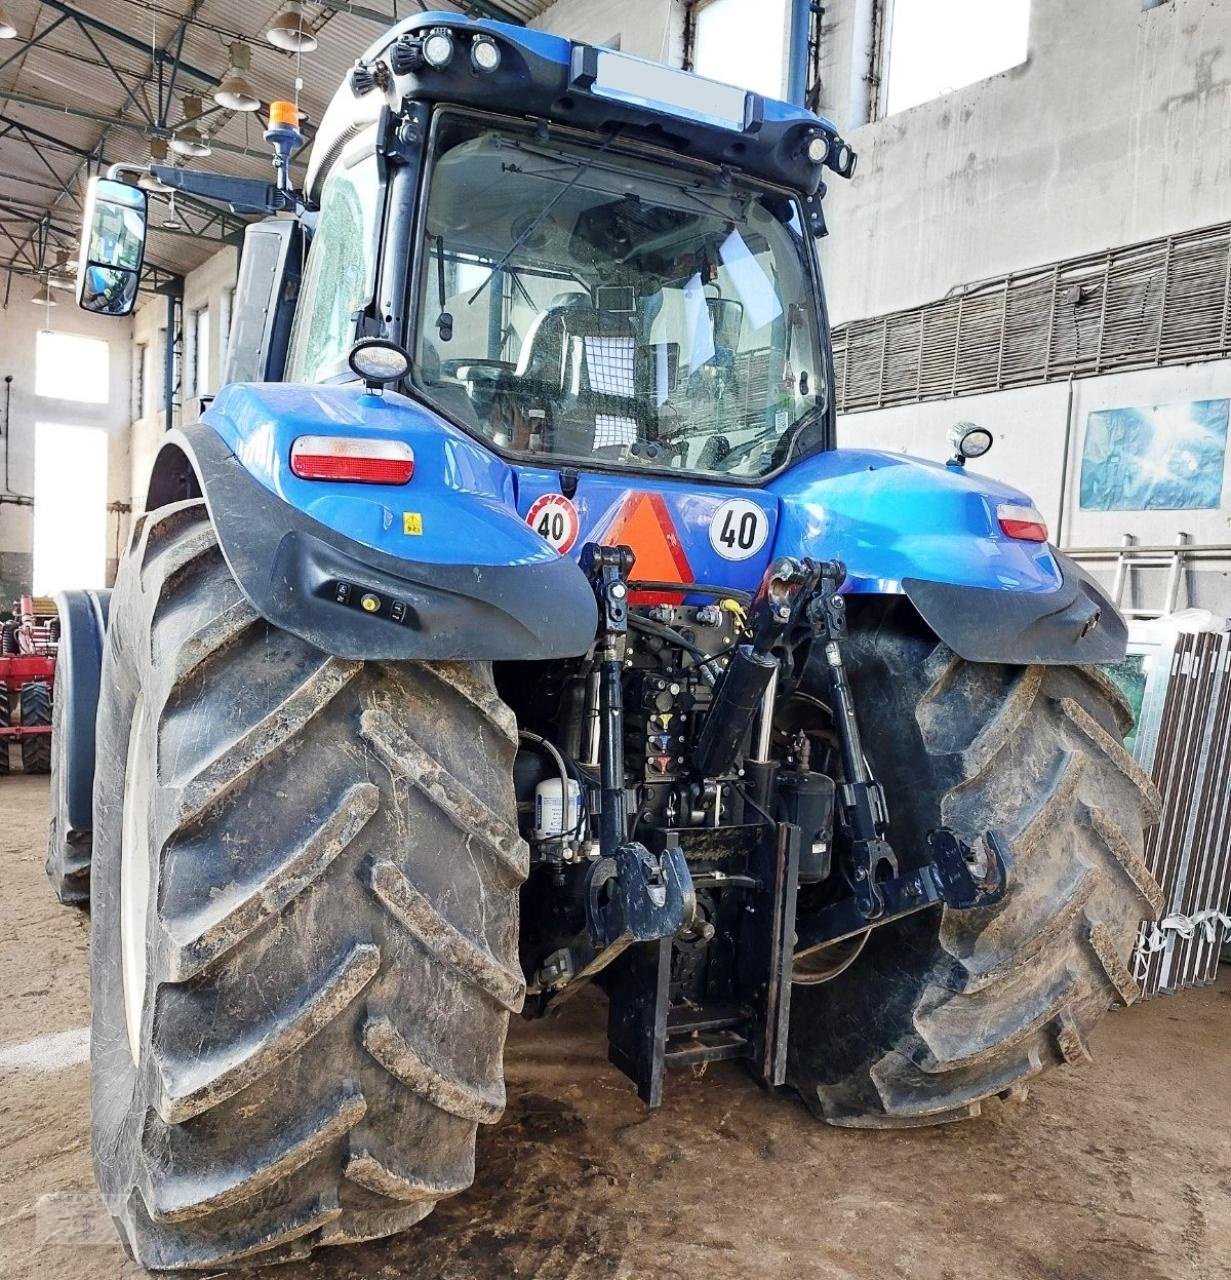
[438, 48]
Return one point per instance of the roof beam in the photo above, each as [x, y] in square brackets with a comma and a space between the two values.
[124, 37]
[67, 147]
[487, 8]
[36, 39]
[38, 217]
[228, 226]
[130, 93]
[126, 123]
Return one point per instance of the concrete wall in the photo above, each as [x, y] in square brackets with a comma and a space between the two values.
[1030, 426]
[20, 323]
[646, 28]
[1114, 130]
[210, 285]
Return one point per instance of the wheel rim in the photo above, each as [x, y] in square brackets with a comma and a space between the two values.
[135, 879]
[825, 963]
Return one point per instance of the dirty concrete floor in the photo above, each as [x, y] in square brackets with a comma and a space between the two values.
[1120, 1170]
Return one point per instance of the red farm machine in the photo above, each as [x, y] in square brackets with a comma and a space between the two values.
[28, 645]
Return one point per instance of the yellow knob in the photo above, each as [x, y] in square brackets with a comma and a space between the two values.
[370, 603]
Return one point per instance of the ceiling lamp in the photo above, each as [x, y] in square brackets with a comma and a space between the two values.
[288, 30]
[43, 297]
[158, 155]
[188, 140]
[172, 220]
[235, 92]
[61, 273]
[7, 30]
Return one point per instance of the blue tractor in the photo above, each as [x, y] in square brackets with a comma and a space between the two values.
[511, 624]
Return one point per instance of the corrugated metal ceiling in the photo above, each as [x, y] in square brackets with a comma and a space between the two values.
[60, 101]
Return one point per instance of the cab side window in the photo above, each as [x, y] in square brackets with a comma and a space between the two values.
[340, 276]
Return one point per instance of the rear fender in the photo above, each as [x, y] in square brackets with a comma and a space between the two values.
[929, 532]
[453, 570]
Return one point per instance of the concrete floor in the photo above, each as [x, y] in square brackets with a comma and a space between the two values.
[1120, 1170]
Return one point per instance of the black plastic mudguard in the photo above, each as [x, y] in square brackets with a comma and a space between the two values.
[1076, 623]
[79, 661]
[289, 566]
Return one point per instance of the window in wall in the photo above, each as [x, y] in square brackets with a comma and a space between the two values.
[338, 282]
[70, 367]
[743, 42]
[202, 383]
[70, 507]
[937, 46]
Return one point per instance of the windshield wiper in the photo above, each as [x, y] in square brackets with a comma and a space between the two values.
[541, 216]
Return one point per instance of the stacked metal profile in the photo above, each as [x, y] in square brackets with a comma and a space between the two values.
[1184, 741]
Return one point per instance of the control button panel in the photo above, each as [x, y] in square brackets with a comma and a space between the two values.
[375, 604]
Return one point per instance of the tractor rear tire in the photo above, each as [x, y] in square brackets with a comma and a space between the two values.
[946, 1009]
[304, 943]
[36, 711]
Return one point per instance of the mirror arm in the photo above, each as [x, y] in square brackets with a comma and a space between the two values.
[240, 195]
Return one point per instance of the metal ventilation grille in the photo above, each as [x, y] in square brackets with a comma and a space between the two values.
[1161, 302]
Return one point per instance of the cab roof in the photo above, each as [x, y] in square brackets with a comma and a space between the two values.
[546, 76]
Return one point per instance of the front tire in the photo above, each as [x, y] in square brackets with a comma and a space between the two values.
[946, 1009]
[304, 942]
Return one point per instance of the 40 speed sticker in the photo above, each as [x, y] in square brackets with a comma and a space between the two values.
[738, 529]
[554, 518]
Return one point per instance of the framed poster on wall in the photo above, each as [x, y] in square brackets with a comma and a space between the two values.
[1163, 457]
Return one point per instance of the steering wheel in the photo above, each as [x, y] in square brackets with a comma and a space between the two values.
[490, 369]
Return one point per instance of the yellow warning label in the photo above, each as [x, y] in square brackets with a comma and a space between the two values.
[412, 522]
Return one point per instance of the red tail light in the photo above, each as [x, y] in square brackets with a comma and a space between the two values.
[1018, 521]
[357, 460]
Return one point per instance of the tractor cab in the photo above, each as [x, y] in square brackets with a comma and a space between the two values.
[591, 259]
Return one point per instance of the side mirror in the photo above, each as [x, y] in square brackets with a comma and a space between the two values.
[112, 247]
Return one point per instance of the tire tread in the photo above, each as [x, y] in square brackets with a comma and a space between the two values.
[999, 993]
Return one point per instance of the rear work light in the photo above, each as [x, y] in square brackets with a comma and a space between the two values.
[356, 460]
[1018, 521]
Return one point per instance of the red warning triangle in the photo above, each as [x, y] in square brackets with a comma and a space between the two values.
[645, 525]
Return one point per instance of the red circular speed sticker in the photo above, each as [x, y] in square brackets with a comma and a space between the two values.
[554, 518]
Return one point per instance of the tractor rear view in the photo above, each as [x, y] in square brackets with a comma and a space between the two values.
[511, 624]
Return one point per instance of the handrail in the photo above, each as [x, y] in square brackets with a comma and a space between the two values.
[1133, 549]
